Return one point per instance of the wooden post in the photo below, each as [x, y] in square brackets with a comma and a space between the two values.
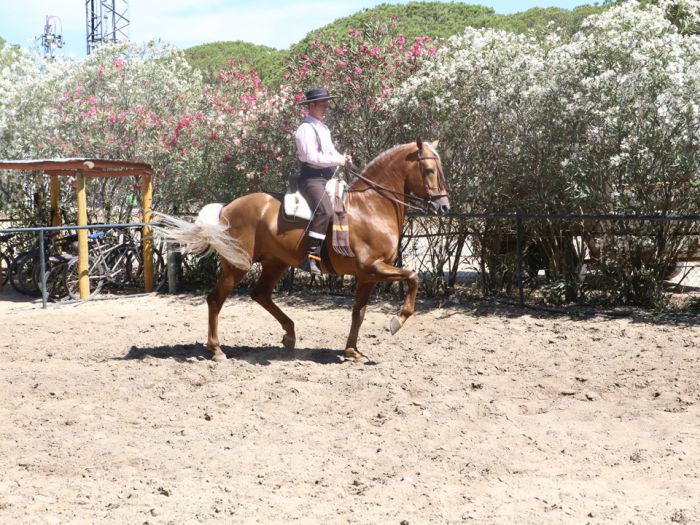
[147, 202]
[84, 279]
[55, 211]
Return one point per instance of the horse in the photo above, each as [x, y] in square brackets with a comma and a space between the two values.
[252, 228]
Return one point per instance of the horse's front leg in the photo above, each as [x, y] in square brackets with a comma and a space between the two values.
[362, 293]
[382, 271]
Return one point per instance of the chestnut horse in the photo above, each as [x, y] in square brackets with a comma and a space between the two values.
[252, 228]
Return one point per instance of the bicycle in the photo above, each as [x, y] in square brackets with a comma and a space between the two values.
[119, 265]
[25, 269]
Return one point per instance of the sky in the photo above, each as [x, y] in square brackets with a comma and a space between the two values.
[187, 23]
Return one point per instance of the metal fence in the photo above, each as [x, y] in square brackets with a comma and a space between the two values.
[537, 260]
[559, 260]
[548, 261]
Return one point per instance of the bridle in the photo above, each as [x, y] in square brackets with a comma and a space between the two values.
[442, 183]
[391, 194]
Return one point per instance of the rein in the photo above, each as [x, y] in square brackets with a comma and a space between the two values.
[391, 194]
[382, 189]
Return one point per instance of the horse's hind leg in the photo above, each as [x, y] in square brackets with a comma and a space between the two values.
[227, 281]
[272, 271]
[362, 293]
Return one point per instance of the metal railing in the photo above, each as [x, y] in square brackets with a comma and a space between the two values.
[517, 224]
[521, 225]
[42, 250]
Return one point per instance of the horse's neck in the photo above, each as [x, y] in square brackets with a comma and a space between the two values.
[385, 173]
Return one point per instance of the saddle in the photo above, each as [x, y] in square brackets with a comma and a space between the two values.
[295, 207]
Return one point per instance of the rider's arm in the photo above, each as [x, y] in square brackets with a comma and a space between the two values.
[307, 149]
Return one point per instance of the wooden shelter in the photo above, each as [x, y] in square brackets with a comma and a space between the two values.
[80, 168]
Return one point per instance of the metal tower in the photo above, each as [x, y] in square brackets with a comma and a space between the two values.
[106, 21]
[52, 37]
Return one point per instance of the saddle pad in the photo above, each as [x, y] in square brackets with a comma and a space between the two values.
[295, 204]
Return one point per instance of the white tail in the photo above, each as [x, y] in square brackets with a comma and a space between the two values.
[206, 235]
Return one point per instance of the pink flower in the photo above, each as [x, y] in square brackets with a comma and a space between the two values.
[400, 40]
[357, 70]
[341, 64]
[118, 63]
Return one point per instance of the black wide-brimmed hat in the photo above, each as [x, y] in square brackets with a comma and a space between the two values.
[316, 94]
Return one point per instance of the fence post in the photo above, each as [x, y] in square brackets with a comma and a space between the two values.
[519, 248]
[83, 277]
[290, 280]
[174, 260]
[399, 264]
[42, 269]
[147, 233]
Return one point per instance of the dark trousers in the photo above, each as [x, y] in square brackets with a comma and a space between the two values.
[313, 188]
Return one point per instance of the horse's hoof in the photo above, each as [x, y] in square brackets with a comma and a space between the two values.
[354, 354]
[219, 357]
[289, 341]
[394, 325]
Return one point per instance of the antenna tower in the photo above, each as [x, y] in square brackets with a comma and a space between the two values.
[106, 21]
[52, 37]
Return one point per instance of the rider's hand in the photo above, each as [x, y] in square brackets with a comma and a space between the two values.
[348, 160]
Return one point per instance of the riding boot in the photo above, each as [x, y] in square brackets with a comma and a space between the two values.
[312, 261]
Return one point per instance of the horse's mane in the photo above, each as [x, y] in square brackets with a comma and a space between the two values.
[391, 151]
[382, 157]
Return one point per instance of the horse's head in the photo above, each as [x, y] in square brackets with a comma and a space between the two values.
[426, 178]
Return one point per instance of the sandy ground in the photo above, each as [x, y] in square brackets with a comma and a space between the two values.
[112, 413]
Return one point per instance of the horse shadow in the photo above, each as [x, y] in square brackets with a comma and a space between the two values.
[254, 355]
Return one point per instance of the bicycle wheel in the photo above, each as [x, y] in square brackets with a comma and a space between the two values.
[55, 283]
[72, 280]
[118, 264]
[22, 273]
[4, 270]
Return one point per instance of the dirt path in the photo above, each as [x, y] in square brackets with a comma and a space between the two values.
[112, 413]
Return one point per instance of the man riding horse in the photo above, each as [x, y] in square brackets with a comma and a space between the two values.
[318, 158]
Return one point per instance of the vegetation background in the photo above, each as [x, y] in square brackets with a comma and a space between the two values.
[590, 110]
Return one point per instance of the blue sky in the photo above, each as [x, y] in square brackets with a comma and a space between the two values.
[187, 23]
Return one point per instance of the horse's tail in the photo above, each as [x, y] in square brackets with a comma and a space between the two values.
[206, 235]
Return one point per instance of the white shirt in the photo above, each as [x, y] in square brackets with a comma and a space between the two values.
[307, 145]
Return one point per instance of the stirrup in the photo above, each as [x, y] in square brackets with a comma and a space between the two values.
[311, 264]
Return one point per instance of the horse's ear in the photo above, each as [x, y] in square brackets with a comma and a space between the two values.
[435, 144]
[419, 143]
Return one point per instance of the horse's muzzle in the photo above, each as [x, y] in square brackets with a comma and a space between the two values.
[439, 206]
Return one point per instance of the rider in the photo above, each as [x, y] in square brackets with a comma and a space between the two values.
[318, 158]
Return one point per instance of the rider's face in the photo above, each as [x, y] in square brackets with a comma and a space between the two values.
[318, 109]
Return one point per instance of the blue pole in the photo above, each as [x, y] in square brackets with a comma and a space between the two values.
[42, 269]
